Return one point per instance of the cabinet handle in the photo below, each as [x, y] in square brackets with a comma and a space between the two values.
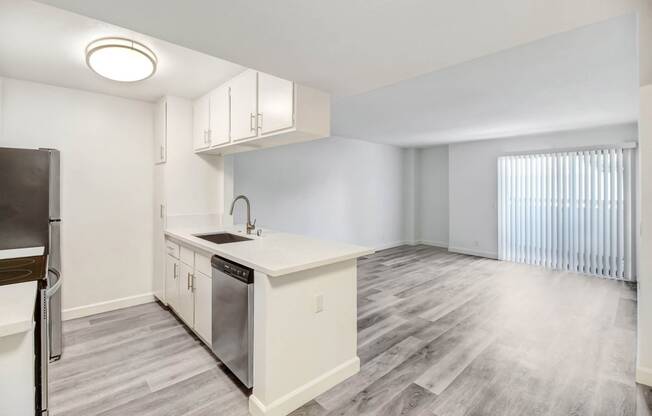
[175, 271]
[161, 210]
[208, 136]
[161, 151]
[260, 121]
[188, 286]
[252, 116]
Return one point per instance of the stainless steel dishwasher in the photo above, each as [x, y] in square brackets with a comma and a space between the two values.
[233, 317]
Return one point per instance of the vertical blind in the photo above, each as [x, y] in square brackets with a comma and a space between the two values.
[569, 210]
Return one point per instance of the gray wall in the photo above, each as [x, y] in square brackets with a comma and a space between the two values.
[337, 189]
[432, 196]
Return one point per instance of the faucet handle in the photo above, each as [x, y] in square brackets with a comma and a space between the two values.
[253, 224]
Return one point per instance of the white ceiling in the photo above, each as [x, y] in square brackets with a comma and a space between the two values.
[45, 44]
[347, 47]
[584, 78]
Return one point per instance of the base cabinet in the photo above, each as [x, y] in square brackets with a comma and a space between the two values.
[203, 306]
[186, 308]
[172, 281]
[189, 288]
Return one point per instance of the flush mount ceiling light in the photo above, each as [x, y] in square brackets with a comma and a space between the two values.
[121, 59]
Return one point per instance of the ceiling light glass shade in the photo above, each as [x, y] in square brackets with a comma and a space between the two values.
[120, 59]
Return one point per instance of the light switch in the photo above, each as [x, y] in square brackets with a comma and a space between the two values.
[319, 303]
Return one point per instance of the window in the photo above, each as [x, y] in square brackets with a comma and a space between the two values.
[569, 211]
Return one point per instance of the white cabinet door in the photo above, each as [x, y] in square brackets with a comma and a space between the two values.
[219, 116]
[203, 309]
[186, 309]
[160, 131]
[244, 105]
[159, 233]
[201, 122]
[275, 103]
[172, 282]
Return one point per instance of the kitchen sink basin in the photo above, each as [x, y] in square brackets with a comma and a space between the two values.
[222, 238]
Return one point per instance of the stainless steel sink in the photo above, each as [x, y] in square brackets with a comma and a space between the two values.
[222, 238]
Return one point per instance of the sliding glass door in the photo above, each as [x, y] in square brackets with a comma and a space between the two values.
[569, 211]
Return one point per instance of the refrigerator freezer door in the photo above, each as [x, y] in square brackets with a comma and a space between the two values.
[55, 184]
[24, 198]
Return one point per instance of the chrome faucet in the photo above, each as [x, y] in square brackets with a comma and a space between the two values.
[249, 225]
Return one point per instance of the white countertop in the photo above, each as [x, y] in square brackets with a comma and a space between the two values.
[17, 303]
[274, 253]
[15, 253]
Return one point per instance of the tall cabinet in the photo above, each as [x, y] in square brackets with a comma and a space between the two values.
[185, 183]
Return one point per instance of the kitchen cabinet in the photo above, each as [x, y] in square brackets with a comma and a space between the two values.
[172, 271]
[189, 288]
[219, 132]
[185, 183]
[186, 309]
[201, 123]
[160, 131]
[203, 306]
[275, 103]
[244, 106]
[268, 111]
[159, 234]
[256, 110]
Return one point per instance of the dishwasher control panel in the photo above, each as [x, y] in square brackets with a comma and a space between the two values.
[229, 268]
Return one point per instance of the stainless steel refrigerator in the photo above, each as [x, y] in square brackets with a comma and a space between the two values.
[30, 217]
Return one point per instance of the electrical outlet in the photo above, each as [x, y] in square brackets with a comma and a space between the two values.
[319, 303]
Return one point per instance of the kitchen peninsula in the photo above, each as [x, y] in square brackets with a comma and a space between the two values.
[304, 309]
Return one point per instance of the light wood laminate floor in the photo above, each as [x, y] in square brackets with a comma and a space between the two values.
[440, 334]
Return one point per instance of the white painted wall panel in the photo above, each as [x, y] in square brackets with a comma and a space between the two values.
[644, 364]
[107, 184]
[336, 189]
[432, 195]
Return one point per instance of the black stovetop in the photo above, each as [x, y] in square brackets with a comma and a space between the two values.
[23, 269]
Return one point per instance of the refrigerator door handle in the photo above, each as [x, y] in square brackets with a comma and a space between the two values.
[49, 292]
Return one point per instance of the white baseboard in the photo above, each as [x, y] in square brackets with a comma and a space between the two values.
[441, 244]
[305, 393]
[392, 245]
[111, 305]
[644, 376]
[412, 243]
[471, 252]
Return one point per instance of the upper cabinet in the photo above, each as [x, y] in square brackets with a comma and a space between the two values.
[219, 124]
[244, 106]
[160, 131]
[201, 110]
[275, 104]
[256, 110]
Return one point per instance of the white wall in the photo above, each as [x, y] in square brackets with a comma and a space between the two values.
[472, 180]
[106, 194]
[410, 165]
[336, 189]
[432, 196]
[644, 364]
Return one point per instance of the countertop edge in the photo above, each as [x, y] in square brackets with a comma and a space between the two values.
[18, 327]
[276, 272]
[18, 311]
